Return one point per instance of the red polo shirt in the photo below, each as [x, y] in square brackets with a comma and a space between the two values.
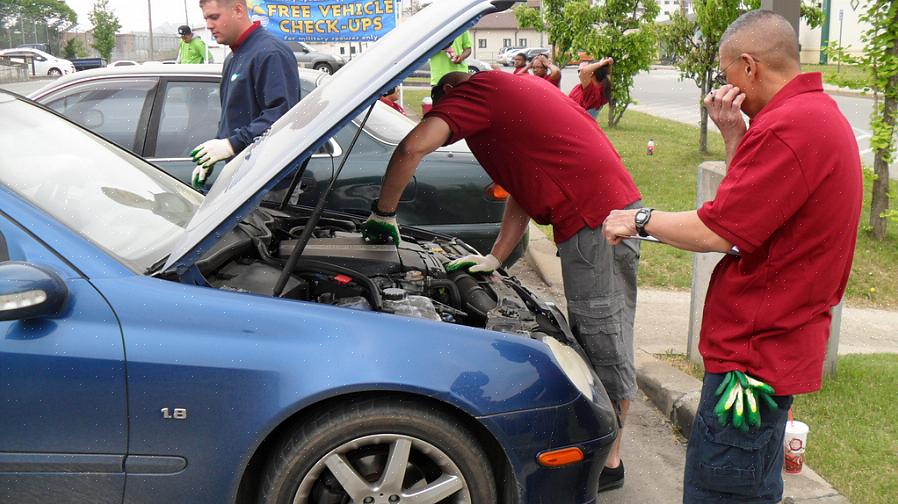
[593, 97]
[790, 201]
[552, 158]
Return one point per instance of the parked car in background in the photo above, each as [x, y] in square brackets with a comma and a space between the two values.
[39, 62]
[504, 57]
[476, 65]
[88, 63]
[164, 346]
[316, 60]
[161, 112]
[528, 52]
[122, 63]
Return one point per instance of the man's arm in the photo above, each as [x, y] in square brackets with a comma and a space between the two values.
[683, 230]
[425, 138]
[514, 224]
[589, 71]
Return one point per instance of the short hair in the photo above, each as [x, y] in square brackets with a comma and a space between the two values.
[221, 2]
[774, 33]
[452, 79]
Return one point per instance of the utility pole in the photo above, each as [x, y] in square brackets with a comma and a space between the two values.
[150, 15]
[186, 19]
[824, 33]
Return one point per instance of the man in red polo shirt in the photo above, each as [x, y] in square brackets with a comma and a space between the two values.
[594, 89]
[790, 202]
[560, 169]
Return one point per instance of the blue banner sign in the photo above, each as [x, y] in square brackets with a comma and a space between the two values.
[325, 21]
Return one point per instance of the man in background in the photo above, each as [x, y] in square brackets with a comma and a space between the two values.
[192, 50]
[451, 59]
[259, 83]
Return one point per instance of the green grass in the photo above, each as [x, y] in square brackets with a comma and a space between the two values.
[847, 75]
[413, 97]
[853, 442]
[873, 279]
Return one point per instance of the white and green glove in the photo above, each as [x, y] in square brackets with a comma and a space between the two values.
[740, 394]
[212, 151]
[475, 264]
[205, 155]
[380, 227]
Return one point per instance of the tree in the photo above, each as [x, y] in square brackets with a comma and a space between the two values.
[55, 15]
[693, 43]
[551, 20]
[880, 59]
[624, 30]
[105, 25]
[74, 48]
[621, 29]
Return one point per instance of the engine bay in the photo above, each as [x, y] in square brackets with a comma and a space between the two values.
[338, 267]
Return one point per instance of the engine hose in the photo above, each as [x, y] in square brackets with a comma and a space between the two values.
[474, 297]
[449, 285]
[315, 266]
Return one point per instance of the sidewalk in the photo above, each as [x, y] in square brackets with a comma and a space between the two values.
[662, 320]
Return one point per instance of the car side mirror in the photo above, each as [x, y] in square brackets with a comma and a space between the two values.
[93, 119]
[28, 292]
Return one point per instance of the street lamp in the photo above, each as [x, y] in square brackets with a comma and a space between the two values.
[150, 15]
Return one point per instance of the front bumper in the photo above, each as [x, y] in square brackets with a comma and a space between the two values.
[590, 426]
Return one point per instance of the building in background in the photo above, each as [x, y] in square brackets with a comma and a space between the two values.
[845, 28]
[499, 30]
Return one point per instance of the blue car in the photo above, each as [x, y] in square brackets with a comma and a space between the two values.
[164, 346]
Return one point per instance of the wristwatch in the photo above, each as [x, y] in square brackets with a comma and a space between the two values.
[642, 218]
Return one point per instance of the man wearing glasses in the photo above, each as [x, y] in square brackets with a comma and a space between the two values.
[790, 202]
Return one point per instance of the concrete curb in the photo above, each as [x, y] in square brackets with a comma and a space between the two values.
[675, 393]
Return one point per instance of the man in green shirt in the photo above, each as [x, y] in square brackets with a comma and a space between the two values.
[451, 59]
[192, 49]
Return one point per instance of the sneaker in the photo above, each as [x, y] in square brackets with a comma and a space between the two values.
[611, 478]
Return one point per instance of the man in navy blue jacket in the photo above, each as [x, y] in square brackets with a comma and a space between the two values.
[259, 83]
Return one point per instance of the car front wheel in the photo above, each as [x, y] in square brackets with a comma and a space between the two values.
[379, 452]
[54, 72]
[324, 67]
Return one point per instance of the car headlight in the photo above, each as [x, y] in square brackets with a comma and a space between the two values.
[573, 365]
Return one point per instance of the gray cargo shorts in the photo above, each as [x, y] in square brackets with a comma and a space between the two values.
[600, 287]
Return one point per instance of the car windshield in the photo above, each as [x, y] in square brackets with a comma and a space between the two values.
[127, 207]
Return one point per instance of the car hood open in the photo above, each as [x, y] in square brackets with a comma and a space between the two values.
[245, 180]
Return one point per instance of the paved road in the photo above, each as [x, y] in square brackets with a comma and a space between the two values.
[653, 453]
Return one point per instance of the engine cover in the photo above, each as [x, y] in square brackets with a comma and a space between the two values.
[349, 250]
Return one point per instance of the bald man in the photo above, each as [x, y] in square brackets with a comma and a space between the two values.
[790, 202]
[560, 169]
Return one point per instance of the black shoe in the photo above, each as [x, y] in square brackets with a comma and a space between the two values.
[611, 478]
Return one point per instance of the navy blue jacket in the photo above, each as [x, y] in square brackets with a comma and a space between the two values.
[259, 84]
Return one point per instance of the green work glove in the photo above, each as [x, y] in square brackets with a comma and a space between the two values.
[740, 395]
[381, 227]
[200, 174]
[474, 263]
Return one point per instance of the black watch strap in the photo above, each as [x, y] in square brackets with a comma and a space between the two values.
[379, 212]
[643, 216]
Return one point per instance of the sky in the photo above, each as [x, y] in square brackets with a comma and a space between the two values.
[133, 14]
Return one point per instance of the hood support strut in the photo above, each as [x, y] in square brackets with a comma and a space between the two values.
[316, 214]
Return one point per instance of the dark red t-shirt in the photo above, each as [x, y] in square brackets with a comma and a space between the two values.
[790, 201]
[553, 158]
[593, 97]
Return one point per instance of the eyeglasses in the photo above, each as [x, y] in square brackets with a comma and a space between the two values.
[721, 78]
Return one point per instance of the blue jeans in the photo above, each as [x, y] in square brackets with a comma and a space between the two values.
[726, 465]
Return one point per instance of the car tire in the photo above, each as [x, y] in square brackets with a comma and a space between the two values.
[359, 439]
[472, 69]
[54, 72]
[324, 67]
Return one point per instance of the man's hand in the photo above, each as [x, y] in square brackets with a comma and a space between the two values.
[724, 108]
[618, 225]
[380, 229]
[474, 263]
[740, 394]
[200, 174]
[210, 152]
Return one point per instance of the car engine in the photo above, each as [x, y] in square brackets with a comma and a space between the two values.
[337, 267]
